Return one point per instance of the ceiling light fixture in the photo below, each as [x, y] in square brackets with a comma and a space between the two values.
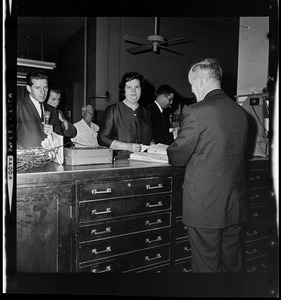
[35, 63]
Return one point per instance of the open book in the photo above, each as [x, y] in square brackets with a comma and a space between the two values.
[153, 153]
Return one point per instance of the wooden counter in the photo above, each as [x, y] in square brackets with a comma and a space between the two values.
[80, 218]
[125, 217]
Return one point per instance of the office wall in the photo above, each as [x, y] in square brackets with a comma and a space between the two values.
[252, 77]
[210, 38]
[253, 55]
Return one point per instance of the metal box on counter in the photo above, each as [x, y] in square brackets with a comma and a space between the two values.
[87, 156]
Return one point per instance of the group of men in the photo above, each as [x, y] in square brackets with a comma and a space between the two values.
[211, 145]
[32, 124]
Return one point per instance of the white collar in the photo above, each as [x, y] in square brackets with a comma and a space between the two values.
[161, 109]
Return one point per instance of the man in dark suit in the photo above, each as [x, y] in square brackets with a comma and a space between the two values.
[211, 143]
[161, 125]
[31, 128]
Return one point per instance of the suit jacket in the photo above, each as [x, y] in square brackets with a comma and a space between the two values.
[211, 143]
[29, 126]
[160, 126]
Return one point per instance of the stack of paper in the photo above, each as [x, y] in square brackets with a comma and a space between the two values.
[155, 153]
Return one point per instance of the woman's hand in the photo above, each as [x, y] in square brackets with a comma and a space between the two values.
[134, 147]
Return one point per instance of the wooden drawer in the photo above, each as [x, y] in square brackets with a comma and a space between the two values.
[259, 164]
[108, 209]
[133, 261]
[261, 196]
[182, 250]
[259, 265]
[183, 267]
[116, 246]
[123, 188]
[256, 249]
[108, 229]
[259, 178]
[256, 232]
[259, 213]
[181, 230]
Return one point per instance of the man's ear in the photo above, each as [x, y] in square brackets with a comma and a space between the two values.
[201, 82]
[28, 88]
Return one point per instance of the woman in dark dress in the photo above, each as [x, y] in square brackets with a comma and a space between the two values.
[126, 125]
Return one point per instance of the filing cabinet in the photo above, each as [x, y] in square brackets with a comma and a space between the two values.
[126, 218]
[123, 224]
[260, 238]
[181, 249]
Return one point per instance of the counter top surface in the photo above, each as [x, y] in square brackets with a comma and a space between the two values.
[117, 164]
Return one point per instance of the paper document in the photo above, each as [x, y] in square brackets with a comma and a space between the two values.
[155, 153]
[157, 148]
[54, 142]
[152, 157]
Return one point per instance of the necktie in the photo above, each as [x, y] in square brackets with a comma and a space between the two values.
[42, 112]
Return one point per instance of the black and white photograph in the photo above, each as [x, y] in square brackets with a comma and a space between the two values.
[141, 148]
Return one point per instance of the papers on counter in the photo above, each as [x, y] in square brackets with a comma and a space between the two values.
[155, 153]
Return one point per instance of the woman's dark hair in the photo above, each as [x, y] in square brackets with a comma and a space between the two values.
[35, 75]
[129, 77]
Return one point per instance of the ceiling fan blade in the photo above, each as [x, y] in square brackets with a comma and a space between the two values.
[167, 49]
[136, 39]
[178, 41]
[140, 49]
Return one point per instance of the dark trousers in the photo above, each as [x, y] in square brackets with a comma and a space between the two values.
[216, 250]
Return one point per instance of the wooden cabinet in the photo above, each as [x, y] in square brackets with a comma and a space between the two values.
[96, 218]
[123, 224]
[43, 228]
[260, 238]
[125, 217]
[181, 249]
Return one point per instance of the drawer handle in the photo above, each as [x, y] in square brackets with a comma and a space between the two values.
[255, 197]
[95, 232]
[252, 269]
[95, 251]
[107, 269]
[185, 270]
[148, 241]
[254, 178]
[252, 233]
[252, 252]
[255, 215]
[153, 258]
[147, 222]
[107, 191]
[107, 211]
[149, 187]
[154, 205]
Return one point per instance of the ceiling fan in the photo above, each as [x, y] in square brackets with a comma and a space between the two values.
[153, 42]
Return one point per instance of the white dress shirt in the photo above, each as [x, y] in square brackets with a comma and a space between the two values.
[37, 104]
